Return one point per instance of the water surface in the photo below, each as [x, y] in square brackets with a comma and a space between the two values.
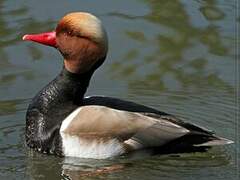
[177, 56]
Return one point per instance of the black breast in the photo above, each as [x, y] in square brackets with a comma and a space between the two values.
[50, 107]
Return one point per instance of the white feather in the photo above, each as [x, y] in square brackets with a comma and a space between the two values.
[84, 148]
[75, 146]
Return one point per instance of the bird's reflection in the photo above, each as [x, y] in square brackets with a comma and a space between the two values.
[40, 166]
[74, 168]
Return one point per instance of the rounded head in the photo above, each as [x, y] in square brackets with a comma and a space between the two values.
[83, 25]
[81, 39]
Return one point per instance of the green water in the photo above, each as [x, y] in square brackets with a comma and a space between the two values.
[178, 56]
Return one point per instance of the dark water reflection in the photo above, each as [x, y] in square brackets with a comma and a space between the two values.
[177, 56]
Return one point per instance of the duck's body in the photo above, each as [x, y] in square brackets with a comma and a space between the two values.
[61, 121]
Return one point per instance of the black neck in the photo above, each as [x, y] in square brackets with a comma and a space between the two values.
[52, 105]
[84, 78]
[79, 81]
[73, 85]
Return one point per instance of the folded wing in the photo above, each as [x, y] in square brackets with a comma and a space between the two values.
[135, 129]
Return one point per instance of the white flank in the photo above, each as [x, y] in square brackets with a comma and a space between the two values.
[75, 146]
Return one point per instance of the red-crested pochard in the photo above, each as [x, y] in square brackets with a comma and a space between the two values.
[61, 121]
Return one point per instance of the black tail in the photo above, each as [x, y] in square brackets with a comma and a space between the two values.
[192, 143]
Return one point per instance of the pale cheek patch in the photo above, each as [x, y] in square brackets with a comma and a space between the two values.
[85, 148]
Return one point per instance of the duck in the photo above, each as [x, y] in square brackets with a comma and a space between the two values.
[60, 120]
